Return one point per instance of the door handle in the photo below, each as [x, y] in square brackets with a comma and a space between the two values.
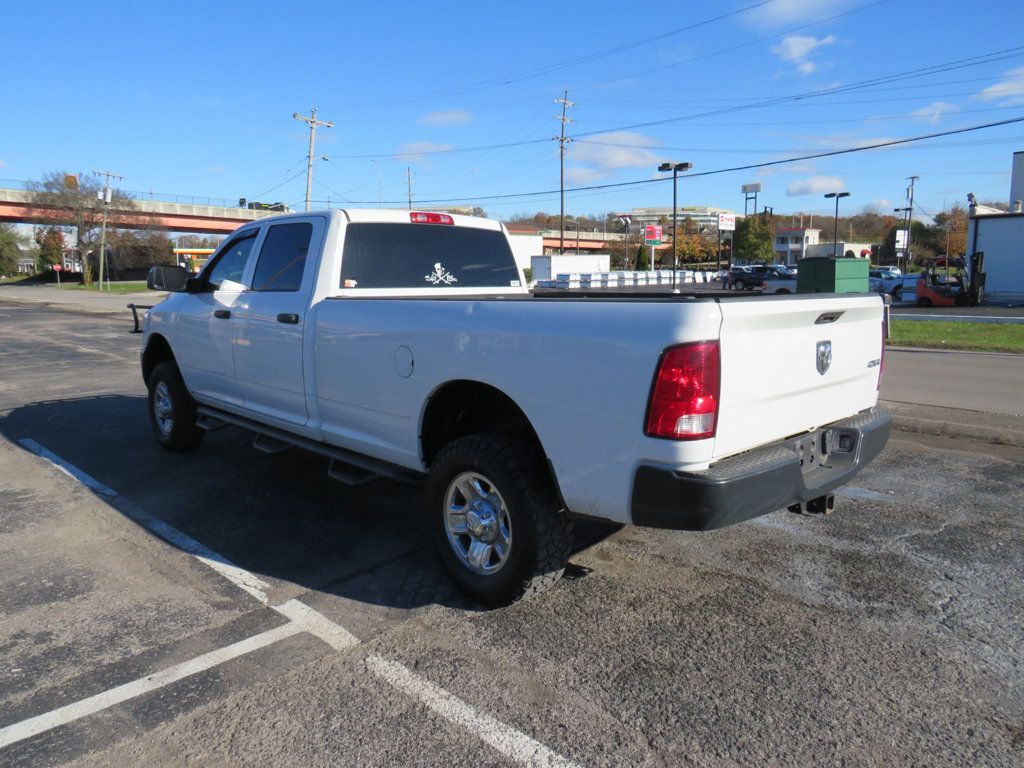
[223, 314]
[287, 317]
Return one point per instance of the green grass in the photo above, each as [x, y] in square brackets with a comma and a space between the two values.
[936, 334]
[114, 287]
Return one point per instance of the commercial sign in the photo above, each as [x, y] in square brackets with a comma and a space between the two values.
[901, 239]
[652, 234]
[751, 189]
[726, 222]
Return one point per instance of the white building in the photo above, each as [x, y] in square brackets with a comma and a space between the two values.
[791, 243]
[1000, 236]
[704, 216]
[842, 248]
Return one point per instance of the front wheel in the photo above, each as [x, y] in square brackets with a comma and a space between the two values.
[172, 411]
[924, 301]
[499, 528]
[740, 285]
[897, 293]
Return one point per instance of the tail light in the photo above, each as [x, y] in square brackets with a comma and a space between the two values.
[417, 217]
[684, 398]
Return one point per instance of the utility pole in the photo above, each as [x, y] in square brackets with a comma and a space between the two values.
[313, 124]
[104, 197]
[408, 182]
[562, 141]
[910, 215]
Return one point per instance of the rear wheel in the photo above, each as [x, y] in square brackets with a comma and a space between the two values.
[924, 301]
[897, 293]
[740, 284]
[499, 528]
[172, 411]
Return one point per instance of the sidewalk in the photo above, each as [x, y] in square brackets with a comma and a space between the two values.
[79, 301]
[997, 428]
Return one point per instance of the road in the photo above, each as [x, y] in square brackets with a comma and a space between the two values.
[981, 381]
[890, 633]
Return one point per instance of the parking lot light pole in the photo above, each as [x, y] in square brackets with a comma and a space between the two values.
[675, 168]
[835, 236]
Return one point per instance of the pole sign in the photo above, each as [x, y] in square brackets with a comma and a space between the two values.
[726, 222]
[751, 189]
[652, 234]
[901, 239]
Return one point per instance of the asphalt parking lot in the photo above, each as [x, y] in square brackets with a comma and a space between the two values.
[226, 607]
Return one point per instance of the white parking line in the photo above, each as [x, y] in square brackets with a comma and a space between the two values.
[504, 738]
[67, 714]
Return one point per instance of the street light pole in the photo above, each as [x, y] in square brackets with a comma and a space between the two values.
[577, 223]
[835, 236]
[675, 168]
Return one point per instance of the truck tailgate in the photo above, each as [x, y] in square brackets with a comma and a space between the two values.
[773, 385]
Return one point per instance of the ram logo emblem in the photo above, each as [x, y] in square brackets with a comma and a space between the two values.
[824, 357]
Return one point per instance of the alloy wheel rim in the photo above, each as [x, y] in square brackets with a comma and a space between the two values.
[163, 410]
[478, 524]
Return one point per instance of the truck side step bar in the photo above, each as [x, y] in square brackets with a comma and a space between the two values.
[348, 467]
[269, 445]
[210, 423]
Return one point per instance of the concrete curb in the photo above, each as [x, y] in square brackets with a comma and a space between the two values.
[945, 422]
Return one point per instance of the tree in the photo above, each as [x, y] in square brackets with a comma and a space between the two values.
[10, 249]
[950, 227]
[642, 262]
[75, 204]
[51, 246]
[752, 239]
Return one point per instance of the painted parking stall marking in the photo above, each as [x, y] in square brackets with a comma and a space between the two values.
[501, 737]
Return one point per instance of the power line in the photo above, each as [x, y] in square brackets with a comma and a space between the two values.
[885, 79]
[549, 68]
[750, 166]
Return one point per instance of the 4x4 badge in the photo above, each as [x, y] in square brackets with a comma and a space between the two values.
[824, 356]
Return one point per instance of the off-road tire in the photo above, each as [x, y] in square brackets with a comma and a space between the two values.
[542, 531]
[166, 384]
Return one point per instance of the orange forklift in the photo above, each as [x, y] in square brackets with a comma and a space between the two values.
[952, 282]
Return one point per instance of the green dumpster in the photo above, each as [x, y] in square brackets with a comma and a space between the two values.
[825, 274]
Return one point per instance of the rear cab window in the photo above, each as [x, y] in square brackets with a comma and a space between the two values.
[425, 256]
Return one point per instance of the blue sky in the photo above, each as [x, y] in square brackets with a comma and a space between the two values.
[196, 99]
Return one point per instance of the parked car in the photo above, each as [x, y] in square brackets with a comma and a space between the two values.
[779, 283]
[886, 282]
[405, 345]
[750, 278]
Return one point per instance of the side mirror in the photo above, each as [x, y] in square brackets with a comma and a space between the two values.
[166, 278]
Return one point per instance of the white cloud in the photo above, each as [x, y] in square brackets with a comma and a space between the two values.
[933, 112]
[3, 164]
[217, 169]
[610, 152]
[785, 12]
[797, 49]
[582, 175]
[418, 151]
[621, 149]
[446, 117]
[1007, 92]
[775, 170]
[814, 185]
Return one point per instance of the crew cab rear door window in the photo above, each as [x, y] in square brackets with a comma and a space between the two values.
[282, 258]
[384, 255]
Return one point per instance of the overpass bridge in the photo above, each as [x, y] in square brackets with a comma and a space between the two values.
[17, 206]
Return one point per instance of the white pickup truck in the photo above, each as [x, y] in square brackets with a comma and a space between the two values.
[405, 345]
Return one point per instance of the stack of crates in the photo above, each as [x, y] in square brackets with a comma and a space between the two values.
[825, 274]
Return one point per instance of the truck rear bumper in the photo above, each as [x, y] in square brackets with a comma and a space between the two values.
[760, 481]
